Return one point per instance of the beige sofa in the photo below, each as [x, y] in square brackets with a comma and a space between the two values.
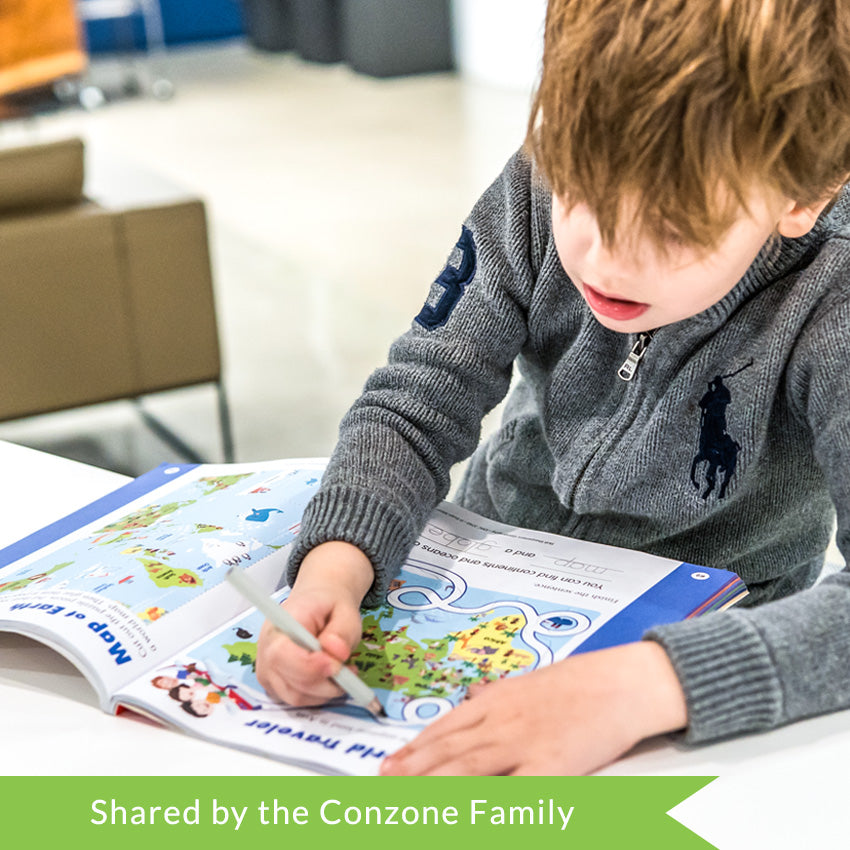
[102, 297]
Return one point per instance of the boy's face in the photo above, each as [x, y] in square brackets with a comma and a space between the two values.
[640, 287]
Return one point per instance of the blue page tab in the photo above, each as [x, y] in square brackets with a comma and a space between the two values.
[676, 597]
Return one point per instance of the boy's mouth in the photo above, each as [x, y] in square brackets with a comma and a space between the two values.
[618, 309]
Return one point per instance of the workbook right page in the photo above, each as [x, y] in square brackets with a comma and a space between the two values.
[475, 602]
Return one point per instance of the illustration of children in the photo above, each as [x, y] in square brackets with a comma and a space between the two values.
[197, 693]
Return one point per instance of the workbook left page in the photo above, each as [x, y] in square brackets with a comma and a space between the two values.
[139, 574]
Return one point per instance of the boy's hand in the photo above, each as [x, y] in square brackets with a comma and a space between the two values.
[570, 718]
[326, 597]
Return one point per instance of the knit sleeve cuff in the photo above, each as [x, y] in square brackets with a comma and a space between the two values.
[727, 674]
[361, 518]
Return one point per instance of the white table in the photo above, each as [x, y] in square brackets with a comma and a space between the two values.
[781, 789]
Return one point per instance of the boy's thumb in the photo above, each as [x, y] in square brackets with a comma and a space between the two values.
[338, 637]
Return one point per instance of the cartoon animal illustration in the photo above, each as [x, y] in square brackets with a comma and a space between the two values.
[262, 514]
[227, 552]
[560, 622]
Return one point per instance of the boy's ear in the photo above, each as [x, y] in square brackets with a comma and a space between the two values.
[798, 220]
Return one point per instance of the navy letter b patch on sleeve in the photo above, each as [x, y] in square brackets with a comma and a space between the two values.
[448, 288]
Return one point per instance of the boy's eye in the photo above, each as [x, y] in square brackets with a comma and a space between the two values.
[674, 239]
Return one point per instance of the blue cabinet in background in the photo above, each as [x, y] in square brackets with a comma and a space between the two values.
[183, 21]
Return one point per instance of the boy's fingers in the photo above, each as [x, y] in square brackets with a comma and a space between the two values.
[305, 613]
[308, 671]
[453, 755]
[335, 646]
[532, 769]
[345, 623]
[443, 740]
[307, 690]
[303, 666]
[288, 669]
[284, 654]
[490, 760]
[301, 677]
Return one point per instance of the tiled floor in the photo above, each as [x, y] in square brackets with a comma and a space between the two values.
[334, 200]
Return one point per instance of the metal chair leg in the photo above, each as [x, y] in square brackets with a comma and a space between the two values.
[225, 424]
[167, 435]
[181, 446]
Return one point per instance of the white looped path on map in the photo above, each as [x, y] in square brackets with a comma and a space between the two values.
[438, 705]
[562, 623]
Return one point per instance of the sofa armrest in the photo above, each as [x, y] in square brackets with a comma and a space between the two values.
[42, 175]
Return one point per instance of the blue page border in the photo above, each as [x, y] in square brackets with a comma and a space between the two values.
[89, 513]
[673, 598]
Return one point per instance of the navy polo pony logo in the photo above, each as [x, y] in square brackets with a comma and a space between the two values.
[449, 286]
[717, 448]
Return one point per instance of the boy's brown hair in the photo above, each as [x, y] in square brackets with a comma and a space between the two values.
[686, 106]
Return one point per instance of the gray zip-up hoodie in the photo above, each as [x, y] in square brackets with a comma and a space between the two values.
[728, 448]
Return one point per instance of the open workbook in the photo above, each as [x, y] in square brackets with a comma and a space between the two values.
[131, 589]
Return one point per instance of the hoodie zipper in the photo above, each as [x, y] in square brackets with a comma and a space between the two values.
[623, 420]
[627, 371]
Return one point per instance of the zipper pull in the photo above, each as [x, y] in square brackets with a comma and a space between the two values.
[627, 371]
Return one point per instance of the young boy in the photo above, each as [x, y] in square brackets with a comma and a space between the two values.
[668, 266]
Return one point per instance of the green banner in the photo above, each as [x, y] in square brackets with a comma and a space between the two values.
[211, 812]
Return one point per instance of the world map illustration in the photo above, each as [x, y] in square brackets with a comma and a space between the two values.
[433, 639]
[159, 556]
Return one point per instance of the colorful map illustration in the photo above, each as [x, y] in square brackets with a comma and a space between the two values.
[161, 555]
[433, 639]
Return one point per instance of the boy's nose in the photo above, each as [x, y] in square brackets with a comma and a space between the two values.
[611, 265]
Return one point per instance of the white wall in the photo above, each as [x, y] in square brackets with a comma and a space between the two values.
[499, 42]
